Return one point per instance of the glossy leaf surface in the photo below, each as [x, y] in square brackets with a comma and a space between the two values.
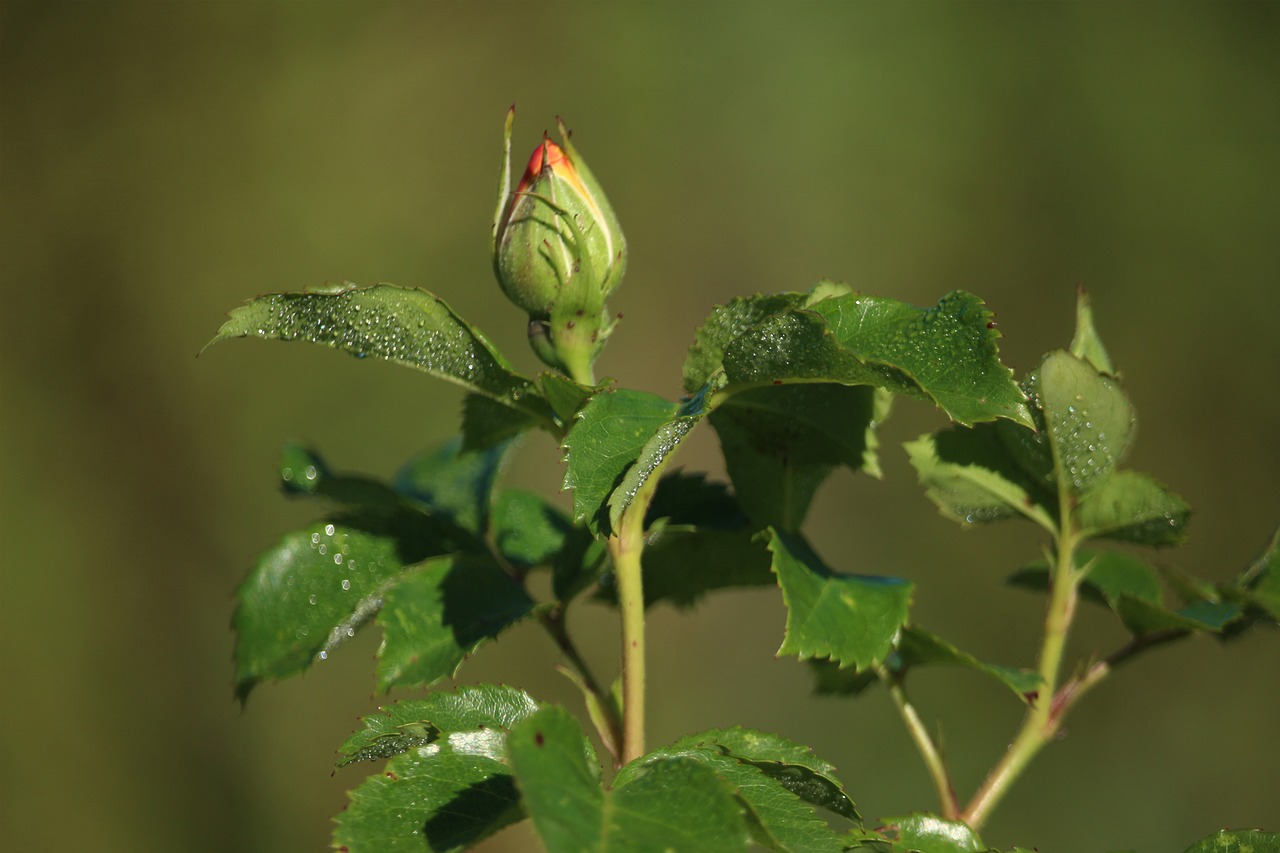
[1238, 841]
[402, 325]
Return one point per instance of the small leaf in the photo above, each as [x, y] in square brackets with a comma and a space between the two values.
[683, 563]
[1238, 841]
[922, 833]
[970, 475]
[527, 530]
[1089, 420]
[1259, 584]
[918, 647]
[677, 804]
[851, 619]
[1132, 507]
[1086, 345]
[439, 613]
[565, 396]
[780, 443]
[456, 485]
[611, 431]
[405, 326]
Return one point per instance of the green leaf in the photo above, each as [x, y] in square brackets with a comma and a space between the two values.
[918, 647]
[772, 785]
[1086, 345]
[727, 323]
[1132, 507]
[792, 764]
[851, 619]
[677, 804]
[1131, 588]
[469, 710]
[1259, 584]
[439, 613]
[527, 530]
[922, 833]
[946, 354]
[970, 475]
[655, 453]
[1238, 841]
[487, 423]
[308, 595]
[1088, 420]
[612, 430]
[456, 485]
[405, 326]
[565, 396]
[684, 563]
[447, 786]
[781, 442]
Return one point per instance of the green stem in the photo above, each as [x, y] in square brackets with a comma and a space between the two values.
[925, 743]
[1044, 718]
[604, 712]
[626, 547]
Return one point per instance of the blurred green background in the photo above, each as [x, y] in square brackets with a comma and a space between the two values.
[164, 161]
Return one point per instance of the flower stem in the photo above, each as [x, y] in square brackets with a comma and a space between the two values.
[626, 546]
[925, 743]
[600, 704]
[1044, 718]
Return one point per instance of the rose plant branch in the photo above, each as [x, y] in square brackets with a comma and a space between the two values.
[795, 386]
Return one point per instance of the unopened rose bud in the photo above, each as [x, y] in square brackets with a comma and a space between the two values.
[558, 252]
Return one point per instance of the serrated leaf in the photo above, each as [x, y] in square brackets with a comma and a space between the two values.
[306, 596]
[770, 785]
[1088, 419]
[1238, 841]
[565, 397]
[526, 529]
[851, 619]
[1132, 507]
[678, 804]
[1086, 345]
[792, 764]
[429, 801]
[970, 475]
[946, 354]
[457, 485]
[690, 499]
[440, 612]
[656, 451]
[468, 711]
[781, 442]
[918, 647]
[401, 325]
[611, 431]
[922, 833]
[726, 323]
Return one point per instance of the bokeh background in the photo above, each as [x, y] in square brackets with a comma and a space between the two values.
[164, 161]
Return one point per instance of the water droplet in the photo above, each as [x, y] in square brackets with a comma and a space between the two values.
[328, 530]
[346, 584]
[311, 599]
[324, 655]
[337, 559]
[311, 472]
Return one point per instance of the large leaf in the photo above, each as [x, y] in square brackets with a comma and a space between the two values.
[612, 430]
[781, 442]
[447, 785]
[851, 619]
[677, 804]
[922, 833]
[402, 325]
[778, 782]
[434, 616]
[946, 354]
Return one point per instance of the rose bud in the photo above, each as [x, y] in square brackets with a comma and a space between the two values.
[558, 253]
